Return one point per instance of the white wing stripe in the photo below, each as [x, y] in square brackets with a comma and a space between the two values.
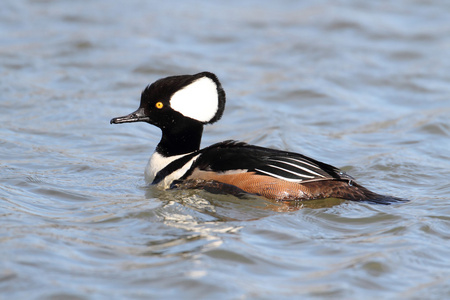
[298, 167]
[278, 176]
[303, 162]
[292, 172]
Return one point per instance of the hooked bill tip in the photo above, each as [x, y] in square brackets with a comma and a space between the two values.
[119, 120]
[115, 121]
[133, 117]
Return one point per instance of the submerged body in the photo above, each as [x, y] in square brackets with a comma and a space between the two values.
[181, 105]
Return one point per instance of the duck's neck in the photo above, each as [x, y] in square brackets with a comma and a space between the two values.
[180, 139]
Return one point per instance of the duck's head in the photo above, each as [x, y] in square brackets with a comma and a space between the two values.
[178, 101]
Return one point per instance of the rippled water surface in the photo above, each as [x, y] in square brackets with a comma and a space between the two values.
[362, 85]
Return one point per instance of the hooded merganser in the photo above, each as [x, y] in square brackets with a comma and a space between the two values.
[181, 105]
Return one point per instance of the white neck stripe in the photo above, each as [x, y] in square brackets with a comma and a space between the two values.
[157, 162]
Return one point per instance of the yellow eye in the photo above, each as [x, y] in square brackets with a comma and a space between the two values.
[159, 105]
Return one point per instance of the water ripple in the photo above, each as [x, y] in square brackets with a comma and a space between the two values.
[357, 84]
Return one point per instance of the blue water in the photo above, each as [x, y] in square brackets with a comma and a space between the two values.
[361, 85]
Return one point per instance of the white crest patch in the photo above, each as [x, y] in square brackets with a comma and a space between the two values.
[198, 100]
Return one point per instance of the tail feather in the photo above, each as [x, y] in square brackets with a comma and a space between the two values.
[373, 197]
[349, 190]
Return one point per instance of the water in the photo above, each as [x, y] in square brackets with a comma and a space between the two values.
[357, 84]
